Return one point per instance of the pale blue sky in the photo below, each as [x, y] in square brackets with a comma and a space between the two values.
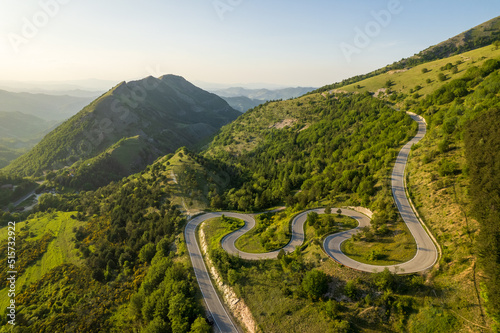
[278, 42]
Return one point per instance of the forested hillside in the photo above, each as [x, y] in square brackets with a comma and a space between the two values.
[126, 129]
[112, 258]
[439, 177]
[323, 146]
[482, 144]
[130, 270]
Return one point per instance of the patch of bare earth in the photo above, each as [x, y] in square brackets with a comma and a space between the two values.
[398, 71]
[288, 122]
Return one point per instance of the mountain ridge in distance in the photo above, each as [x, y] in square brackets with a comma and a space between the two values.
[243, 99]
[158, 115]
[45, 106]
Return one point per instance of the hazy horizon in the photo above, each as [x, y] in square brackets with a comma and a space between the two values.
[224, 42]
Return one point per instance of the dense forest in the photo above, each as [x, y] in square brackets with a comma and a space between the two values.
[482, 143]
[348, 150]
[132, 277]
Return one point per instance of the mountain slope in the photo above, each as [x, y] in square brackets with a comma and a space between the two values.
[477, 37]
[243, 103]
[106, 252]
[243, 99]
[48, 107]
[20, 132]
[163, 114]
[278, 143]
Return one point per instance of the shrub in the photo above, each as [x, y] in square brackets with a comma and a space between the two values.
[315, 283]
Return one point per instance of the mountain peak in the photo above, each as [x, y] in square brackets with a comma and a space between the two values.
[166, 113]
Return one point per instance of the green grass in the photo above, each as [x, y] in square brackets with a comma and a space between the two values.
[269, 306]
[407, 80]
[271, 232]
[60, 250]
[127, 150]
[396, 247]
[215, 229]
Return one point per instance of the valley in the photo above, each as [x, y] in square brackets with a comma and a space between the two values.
[366, 205]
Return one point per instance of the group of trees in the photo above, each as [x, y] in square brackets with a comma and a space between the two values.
[356, 138]
[22, 186]
[166, 300]
[127, 242]
[482, 143]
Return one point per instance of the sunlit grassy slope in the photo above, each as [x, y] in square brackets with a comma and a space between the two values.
[60, 250]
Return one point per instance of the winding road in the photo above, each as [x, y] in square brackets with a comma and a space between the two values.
[425, 257]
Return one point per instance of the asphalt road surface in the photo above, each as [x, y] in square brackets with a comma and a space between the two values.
[425, 257]
[427, 253]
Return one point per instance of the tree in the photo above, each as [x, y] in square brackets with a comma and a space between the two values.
[389, 83]
[441, 77]
[312, 219]
[200, 325]
[163, 247]
[384, 280]
[328, 210]
[158, 325]
[147, 252]
[332, 308]
[315, 283]
[424, 70]
[339, 211]
[281, 254]
[232, 276]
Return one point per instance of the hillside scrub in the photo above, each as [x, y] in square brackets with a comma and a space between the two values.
[343, 145]
[482, 144]
[129, 273]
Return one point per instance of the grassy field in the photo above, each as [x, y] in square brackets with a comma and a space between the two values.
[271, 232]
[443, 203]
[396, 247]
[270, 307]
[406, 81]
[60, 250]
[216, 229]
[273, 293]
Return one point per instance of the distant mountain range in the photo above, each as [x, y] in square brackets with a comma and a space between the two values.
[20, 132]
[47, 107]
[69, 87]
[126, 129]
[243, 99]
[242, 103]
